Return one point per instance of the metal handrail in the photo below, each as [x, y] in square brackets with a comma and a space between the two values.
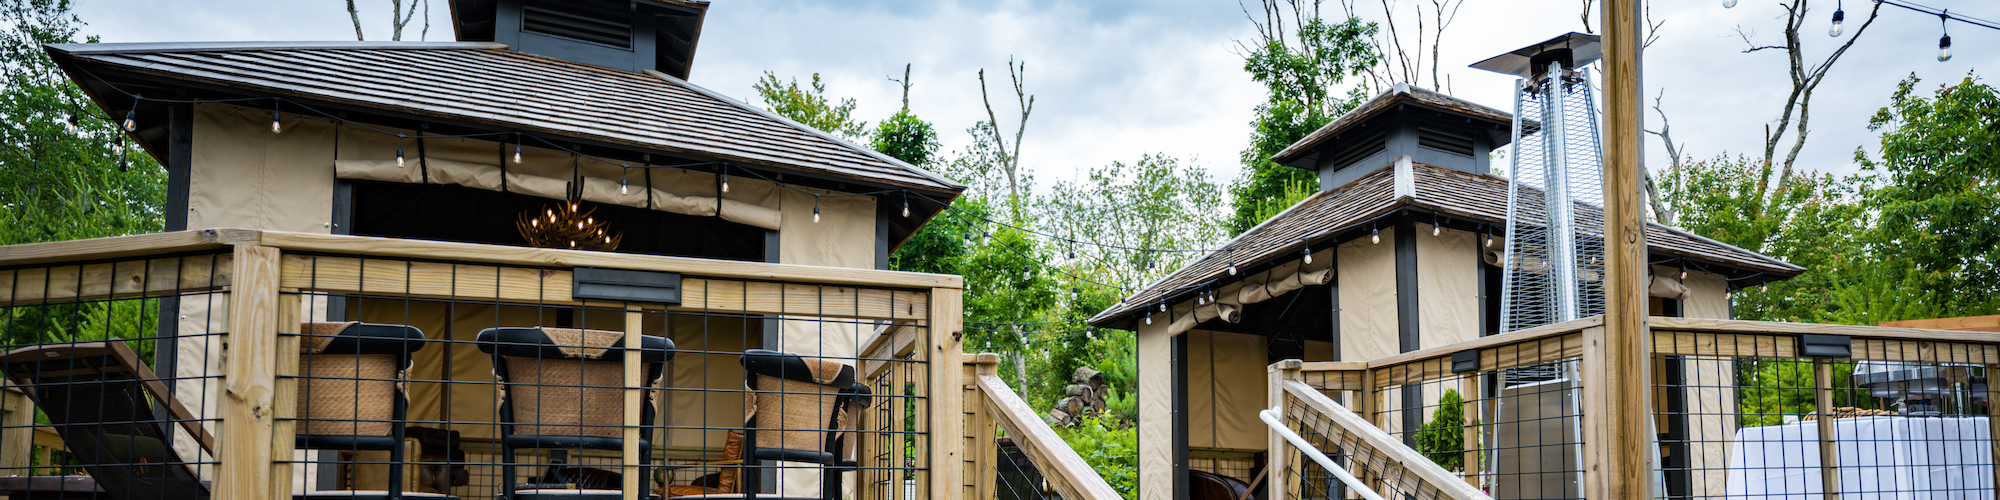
[1272, 418]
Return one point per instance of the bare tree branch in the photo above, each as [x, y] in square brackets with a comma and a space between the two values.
[1010, 160]
[356, 16]
[905, 82]
[1660, 209]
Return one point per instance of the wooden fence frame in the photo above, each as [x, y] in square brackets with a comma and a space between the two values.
[1669, 336]
[260, 396]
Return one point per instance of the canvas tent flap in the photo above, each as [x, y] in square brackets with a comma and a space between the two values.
[1368, 324]
[1707, 296]
[1447, 286]
[243, 175]
[1664, 282]
[1226, 387]
[548, 173]
[1156, 412]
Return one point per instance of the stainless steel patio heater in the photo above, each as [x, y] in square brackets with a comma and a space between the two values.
[1554, 260]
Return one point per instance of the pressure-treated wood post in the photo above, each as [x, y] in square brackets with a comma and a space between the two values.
[17, 430]
[249, 378]
[1278, 455]
[1993, 418]
[1829, 462]
[1619, 467]
[985, 450]
[635, 400]
[946, 409]
[285, 395]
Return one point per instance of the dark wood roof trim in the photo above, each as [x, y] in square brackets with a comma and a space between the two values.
[173, 47]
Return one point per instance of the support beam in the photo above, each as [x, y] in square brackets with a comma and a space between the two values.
[1618, 414]
[249, 377]
[946, 467]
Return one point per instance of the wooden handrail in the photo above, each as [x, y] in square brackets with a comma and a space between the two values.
[1514, 337]
[120, 247]
[1053, 457]
[1771, 327]
[1394, 459]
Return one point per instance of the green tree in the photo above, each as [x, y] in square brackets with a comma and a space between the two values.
[1818, 224]
[1112, 449]
[1940, 166]
[56, 184]
[1301, 75]
[1443, 438]
[810, 106]
[905, 137]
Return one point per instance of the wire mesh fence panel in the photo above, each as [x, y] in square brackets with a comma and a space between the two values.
[113, 376]
[518, 386]
[1746, 415]
[1353, 442]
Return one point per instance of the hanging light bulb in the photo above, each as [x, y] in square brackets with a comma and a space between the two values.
[1944, 43]
[69, 124]
[1232, 267]
[815, 214]
[725, 182]
[275, 127]
[906, 207]
[1838, 16]
[1435, 230]
[118, 148]
[1163, 307]
[1149, 318]
[1489, 241]
[517, 153]
[1309, 253]
[1374, 236]
[1728, 4]
[132, 118]
[1684, 274]
[399, 156]
[623, 188]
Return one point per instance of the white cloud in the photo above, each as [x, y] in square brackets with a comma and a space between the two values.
[1114, 80]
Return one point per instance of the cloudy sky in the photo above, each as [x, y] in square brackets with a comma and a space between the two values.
[1117, 79]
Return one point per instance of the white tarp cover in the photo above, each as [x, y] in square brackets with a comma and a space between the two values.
[1885, 458]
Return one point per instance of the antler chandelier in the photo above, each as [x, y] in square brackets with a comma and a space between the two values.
[564, 226]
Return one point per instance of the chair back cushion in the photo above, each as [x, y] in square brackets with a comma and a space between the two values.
[566, 381]
[348, 394]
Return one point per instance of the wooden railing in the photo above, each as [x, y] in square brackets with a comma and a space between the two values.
[1725, 394]
[1392, 468]
[260, 279]
[992, 411]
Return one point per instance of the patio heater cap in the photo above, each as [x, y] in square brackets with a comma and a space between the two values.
[1531, 62]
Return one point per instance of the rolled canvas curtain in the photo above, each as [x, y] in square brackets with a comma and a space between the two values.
[547, 173]
[1230, 299]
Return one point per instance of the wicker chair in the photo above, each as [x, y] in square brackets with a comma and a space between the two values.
[796, 410]
[562, 390]
[350, 397]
